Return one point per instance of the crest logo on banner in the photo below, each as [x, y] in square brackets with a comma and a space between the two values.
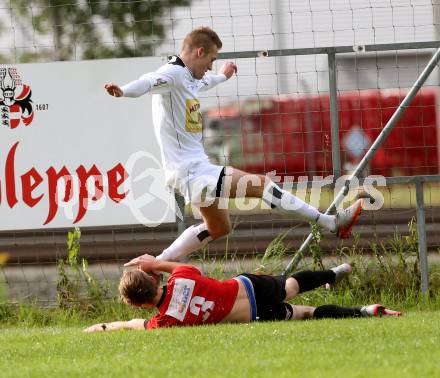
[15, 100]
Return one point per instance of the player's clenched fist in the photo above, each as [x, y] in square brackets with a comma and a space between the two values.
[228, 69]
[113, 90]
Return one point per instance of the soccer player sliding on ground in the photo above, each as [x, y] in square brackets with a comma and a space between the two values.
[190, 298]
[178, 125]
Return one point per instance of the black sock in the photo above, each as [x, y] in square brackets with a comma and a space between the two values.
[309, 280]
[335, 312]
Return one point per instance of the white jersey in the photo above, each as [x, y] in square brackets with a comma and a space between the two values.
[176, 111]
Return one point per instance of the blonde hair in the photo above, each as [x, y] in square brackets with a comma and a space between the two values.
[203, 36]
[136, 288]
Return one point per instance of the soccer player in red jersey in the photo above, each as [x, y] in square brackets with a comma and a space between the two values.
[189, 298]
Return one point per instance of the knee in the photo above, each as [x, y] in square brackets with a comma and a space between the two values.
[219, 229]
[292, 288]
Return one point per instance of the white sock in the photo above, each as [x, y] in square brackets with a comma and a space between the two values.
[190, 240]
[292, 206]
[327, 221]
[341, 271]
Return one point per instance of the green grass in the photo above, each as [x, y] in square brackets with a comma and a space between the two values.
[403, 347]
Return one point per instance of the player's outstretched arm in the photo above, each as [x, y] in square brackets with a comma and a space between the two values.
[113, 90]
[136, 324]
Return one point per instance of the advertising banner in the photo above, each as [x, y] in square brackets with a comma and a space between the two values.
[71, 155]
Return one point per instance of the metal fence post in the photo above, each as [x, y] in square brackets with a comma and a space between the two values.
[370, 153]
[421, 229]
[334, 113]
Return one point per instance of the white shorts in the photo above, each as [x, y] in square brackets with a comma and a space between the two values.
[197, 182]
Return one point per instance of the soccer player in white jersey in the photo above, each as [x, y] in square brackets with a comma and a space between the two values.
[178, 124]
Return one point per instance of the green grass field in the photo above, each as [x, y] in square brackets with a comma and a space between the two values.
[395, 347]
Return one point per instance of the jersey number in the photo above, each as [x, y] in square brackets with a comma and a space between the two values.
[201, 304]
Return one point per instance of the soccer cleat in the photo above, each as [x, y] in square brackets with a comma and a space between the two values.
[378, 310]
[342, 271]
[347, 218]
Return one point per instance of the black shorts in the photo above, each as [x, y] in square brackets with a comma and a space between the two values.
[270, 293]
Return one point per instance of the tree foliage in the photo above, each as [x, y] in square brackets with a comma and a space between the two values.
[80, 29]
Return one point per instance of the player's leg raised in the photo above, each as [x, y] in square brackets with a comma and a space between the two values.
[244, 184]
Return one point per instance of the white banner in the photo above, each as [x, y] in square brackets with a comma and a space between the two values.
[71, 155]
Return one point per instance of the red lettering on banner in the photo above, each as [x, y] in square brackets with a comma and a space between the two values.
[29, 181]
[10, 177]
[53, 178]
[114, 182]
[83, 176]
[32, 179]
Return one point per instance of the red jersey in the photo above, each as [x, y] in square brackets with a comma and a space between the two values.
[192, 299]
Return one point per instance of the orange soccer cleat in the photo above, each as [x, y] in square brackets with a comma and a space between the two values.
[347, 218]
[378, 310]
